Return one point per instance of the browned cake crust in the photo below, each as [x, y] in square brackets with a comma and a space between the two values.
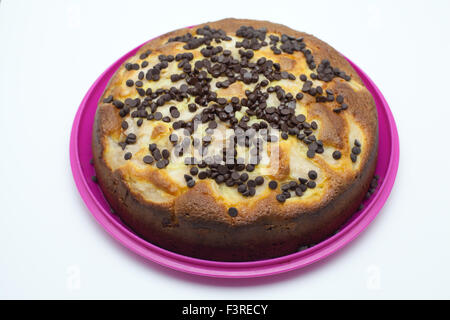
[195, 221]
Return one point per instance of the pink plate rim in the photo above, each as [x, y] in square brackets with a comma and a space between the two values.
[234, 269]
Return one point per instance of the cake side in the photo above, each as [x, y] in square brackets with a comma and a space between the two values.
[196, 220]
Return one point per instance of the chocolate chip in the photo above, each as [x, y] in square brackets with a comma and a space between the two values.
[222, 169]
[233, 212]
[251, 183]
[244, 177]
[235, 175]
[128, 156]
[356, 150]
[250, 167]
[281, 197]
[312, 175]
[131, 138]
[109, 99]
[259, 180]
[175, 77]
[173, 138]
[158, 115]
[229, 182]
[302, 180]
[118, 104]
[300, 118]
[192, 107]
[292, 185]
[157, 154]
[299, 96]
[194, 171]
[311, 184]
[165, 153]
[273, 184]
[221, 101]
[160, 164]
[287, 194]
[148, 159]
[242, 188]
[206, 139]
[152, 147]
[212, 125]
[311, 153]
[337, 155]
[190, 183]
[353, 157]
[203, 175]
[174, 112]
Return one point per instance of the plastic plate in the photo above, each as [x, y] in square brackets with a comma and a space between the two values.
[81, 154]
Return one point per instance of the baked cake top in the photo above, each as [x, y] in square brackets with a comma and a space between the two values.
[239, 119]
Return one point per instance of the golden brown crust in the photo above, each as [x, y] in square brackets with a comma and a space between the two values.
[194, 221]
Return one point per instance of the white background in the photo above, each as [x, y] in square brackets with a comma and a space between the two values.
[52, 51]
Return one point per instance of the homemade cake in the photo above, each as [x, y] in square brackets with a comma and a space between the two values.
[235, 140]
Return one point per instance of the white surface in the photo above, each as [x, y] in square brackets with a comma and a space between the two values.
[51, 246]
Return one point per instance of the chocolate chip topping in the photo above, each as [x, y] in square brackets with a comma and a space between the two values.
[273, 184]
[128, 156]
[148, 159]
[281, 197]
[233, 212]
[337, 155]
[192, 83]
[312, 175]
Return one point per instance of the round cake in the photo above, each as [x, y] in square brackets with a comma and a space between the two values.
[235, 140]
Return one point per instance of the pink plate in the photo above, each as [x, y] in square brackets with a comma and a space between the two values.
[80, 156]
